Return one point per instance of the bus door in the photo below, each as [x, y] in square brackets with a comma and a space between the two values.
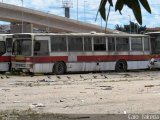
[41, 53]
[9, 42]
[3, 62]
[5, 52]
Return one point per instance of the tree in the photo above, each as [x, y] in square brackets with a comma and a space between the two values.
[131, 28]
[134, 5]
[120, 28]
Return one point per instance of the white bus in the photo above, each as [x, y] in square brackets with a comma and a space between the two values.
[5, 52]
[155, 48]
[73, 52]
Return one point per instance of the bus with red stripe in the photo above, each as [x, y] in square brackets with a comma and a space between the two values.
[73, 52]
[5, 52]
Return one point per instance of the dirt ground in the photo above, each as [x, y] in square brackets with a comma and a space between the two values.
[90, 93]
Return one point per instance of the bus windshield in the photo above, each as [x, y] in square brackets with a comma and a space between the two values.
[22, 47]
[2, 48]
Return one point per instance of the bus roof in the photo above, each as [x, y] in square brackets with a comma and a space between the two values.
[152, 33]
[5, 34]
[82, 34]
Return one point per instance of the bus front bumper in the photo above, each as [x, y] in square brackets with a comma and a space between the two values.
[24, 67]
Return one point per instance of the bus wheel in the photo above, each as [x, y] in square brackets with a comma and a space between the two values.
[59, 68]
[121, 66]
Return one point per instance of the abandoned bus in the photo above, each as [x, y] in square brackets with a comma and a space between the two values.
[5, 52]
[72, 52]
[155, 49]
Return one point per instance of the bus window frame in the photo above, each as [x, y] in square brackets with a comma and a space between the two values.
[91, 38]
[107, 44]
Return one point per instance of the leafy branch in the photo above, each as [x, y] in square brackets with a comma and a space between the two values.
[134, 5]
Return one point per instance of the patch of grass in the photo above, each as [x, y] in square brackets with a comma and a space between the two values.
[30, 114]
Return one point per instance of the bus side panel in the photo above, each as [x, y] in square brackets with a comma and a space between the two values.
[43, 67]
[90, 66]
[137, 65]
[4, 66]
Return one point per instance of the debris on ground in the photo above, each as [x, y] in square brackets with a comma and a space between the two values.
[149, 86]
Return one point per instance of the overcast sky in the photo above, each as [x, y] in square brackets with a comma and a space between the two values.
[87, 10]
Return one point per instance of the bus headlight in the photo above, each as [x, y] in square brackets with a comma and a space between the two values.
[29, 65]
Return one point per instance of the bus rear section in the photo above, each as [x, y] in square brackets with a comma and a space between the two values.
[74, 52]
[155, 48]
[5, 52]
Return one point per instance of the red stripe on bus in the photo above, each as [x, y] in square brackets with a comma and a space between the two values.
[43, 59]
[49, 59]
[113, 58]
[5, 58]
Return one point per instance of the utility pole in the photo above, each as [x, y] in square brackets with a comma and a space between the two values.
[85, 10]
[22, 16]
[77, 10]
[67, 4]
[130, 23]
[48, 21]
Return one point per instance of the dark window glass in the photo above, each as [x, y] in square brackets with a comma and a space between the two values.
[58, 43]
[99, 44]
[122, 44]
[111, 44]
[155, 43]
[75, 44]
[9, 44]
[136, 44]
[146, 43]
[37, 46]
[41, 48]
[2, 48]
[22, 47]
[87, 44]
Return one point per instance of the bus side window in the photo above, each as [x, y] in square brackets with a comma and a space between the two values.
[2, 48]
[75, 44]
[136, 44]
[99, 44]
[58, 44]
[155, 43]
[122, 44]
[146, 43]
[41, 48]
[37, 46]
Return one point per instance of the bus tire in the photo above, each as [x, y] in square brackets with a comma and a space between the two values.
[121, 66]
[59, 68]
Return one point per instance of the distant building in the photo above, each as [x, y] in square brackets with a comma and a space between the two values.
[156, 29]
[4, 29]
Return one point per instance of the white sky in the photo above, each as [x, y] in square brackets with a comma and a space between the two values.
[87, 10]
